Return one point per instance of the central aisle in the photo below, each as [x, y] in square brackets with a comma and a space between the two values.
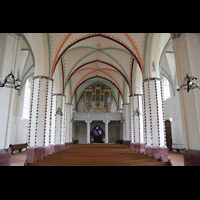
[98, 154]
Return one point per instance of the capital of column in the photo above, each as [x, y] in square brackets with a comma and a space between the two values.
[106, 121]
[59, 94]
[43, 77]
[88, 121]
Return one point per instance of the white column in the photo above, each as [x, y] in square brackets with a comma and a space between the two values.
[126, 131]
[68, 137]
[138, 118]
[137, 140]
[106, 130]
[41, 112]
[124, 124]
[155, 125]
[58, 120]
[131, 110]
[127, 122]
[88, 130]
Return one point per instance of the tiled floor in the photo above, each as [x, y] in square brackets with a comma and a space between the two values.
[18, 159]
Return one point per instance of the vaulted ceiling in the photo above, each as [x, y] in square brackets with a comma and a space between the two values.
[87, 58]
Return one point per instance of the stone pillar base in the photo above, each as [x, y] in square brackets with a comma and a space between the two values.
[57, 147]
[5, 157]
[191, 157]
[68, 144]
[140, 147]
[158, 152]
[132, 146]
[126, 143]
[37, 152]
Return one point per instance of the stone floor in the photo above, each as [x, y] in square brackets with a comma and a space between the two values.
[18, 159]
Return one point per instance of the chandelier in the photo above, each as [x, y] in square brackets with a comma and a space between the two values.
[10, 81]
[188, 81]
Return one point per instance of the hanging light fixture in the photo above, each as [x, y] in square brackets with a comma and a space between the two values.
[188, 81]
[59, 112]
[117, 124]
[123, 121]
[137, 112]
[10, 81]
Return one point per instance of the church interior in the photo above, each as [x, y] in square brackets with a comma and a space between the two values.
[117, 92]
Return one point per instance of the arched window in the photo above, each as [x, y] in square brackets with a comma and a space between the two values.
[166, 89]
[27, 98]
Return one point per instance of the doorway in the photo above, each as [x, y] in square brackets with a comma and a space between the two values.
[97, 135]
[168, 134]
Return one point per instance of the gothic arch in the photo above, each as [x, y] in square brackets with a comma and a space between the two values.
[58, 57]
[97, 77]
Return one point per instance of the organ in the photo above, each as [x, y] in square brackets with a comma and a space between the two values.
[97, 99]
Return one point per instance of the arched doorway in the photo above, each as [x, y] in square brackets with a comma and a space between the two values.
[97, 135]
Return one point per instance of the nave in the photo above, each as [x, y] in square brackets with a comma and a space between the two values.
[98, 155]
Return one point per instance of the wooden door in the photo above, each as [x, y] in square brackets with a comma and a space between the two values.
[97, 138]
[168, 134]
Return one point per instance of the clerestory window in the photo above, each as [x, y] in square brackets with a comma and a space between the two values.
[27, 99]
[166, 89]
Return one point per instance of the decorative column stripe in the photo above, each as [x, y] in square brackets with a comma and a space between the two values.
[55, 122]
[163, 111]
[131, 117]
[37, 111]
[150, 113]
[138, 104]
[129, 112]
[46, 105]
[157, 106]
[51, 113]
[133, 108]
[144, 116]
[29, 133]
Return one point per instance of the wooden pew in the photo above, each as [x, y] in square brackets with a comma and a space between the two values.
[98, 155]
[19, 147]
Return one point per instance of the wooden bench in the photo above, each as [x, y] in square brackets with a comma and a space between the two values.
[19, 147]
[98, 155]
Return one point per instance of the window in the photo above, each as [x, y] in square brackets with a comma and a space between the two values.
[27, 96]
[166, 89]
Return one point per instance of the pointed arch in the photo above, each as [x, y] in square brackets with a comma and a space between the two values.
[94, 70]
[94, 61]
[97, 76]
